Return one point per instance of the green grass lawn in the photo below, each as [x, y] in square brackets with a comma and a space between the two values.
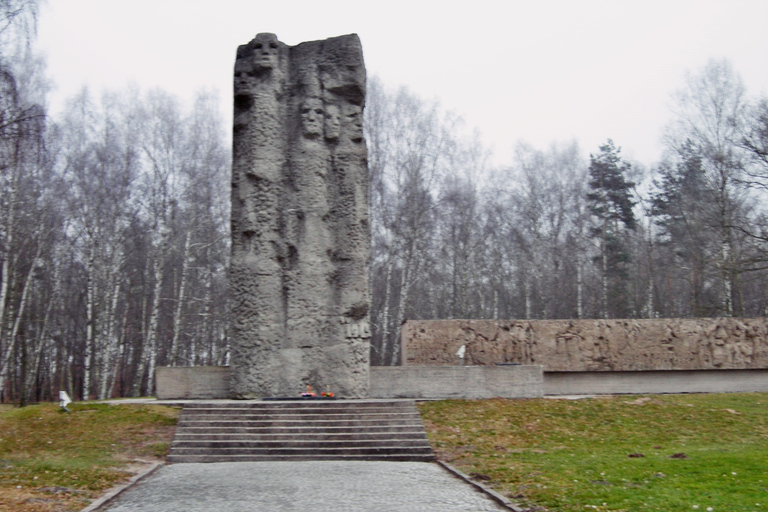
[620, 453]
[51, 460]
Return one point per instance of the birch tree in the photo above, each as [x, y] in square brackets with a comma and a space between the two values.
[101, 167]
[709, 116]
[411, 142]
[205, 249]
[25, 189]
[162, 185]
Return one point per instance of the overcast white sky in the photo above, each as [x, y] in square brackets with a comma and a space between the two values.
[534, 70]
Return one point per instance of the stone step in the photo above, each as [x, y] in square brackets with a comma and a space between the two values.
[300, 407]
[395, 457]
[308, 451]
[321, 436]
[298, 419]
[300, 404]
[300, 444]
[301, 429]
[293, 423]
[307, 414]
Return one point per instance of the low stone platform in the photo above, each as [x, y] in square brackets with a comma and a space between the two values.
[235, 431]
[417, 382]
[468, 382]
[655, 382]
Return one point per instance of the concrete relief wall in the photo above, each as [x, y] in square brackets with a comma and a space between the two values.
[591, 345]
[300, 235]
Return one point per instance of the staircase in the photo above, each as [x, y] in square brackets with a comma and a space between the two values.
[300, 430]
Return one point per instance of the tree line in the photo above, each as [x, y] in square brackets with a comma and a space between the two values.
[114, 224]
[114, 238]
[558, 235]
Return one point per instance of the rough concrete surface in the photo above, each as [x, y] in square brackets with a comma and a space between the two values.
[592, 345]
[300, 235]
[468, 382]
[331, 486]
[661, 381]
[212, 382]
[199, 382]
[485, 381]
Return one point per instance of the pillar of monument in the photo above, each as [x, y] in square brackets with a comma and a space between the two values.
[300, 234]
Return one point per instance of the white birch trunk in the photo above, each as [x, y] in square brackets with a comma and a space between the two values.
[579, 290]
[69, 378]
[385, 314]
[120, 355]
[207, 330]
[11, 345]
[40, 343]
[727, 299]
[527, 295]
[90, 320]
[177, 316]
[110, 337]
[649, 292]
[4, 285]
[154, 320]
[53, 369]
[227, 353]
[134, 348]
[148, 361]
[649, 298]
[141, 350]
[604, 269]
[405, 285]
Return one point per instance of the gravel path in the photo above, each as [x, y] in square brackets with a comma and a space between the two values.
[328, 486]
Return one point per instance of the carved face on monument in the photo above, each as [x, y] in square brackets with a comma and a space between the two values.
[353, 122]
[265, 52]
[243, 73]
[332, 122]
[312, 118]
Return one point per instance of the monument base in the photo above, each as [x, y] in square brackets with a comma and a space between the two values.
[418, 382]
[415, 382]
[469, 382]
[298, 398]
[656, 382]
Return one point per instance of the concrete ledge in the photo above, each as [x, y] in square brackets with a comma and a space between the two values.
[456, 381]
[211, 382]
[655, 381]
[200, 382]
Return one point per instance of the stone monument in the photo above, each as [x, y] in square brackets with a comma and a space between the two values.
[300, 234]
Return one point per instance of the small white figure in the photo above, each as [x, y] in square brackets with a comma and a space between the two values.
[462, 350]
[64, 400]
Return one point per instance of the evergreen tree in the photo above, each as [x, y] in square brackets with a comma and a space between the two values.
[610, 203]
[681, 209]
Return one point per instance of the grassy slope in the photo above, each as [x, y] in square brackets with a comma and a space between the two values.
[565, 455]
[51, 461]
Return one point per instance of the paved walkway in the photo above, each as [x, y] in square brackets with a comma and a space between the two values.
[328, 486]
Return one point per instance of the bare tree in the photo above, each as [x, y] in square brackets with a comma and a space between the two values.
[709, 116]
[101, 165]
[410, 141]
[27, 214]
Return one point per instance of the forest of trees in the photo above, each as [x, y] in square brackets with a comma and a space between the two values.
[557, 235]
[114, 224]
[113, 232]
